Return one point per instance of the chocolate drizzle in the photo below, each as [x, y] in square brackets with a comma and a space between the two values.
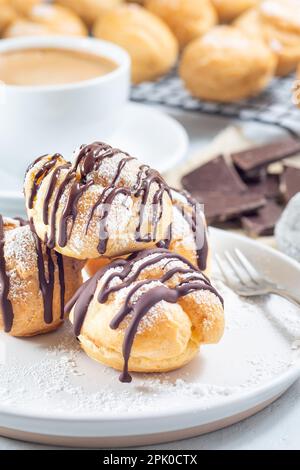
[5, 303]
[128, 273]
[70, 211]
[81, 176]
[47, 280]
[46, 286]
[61, 277]
[40, 175]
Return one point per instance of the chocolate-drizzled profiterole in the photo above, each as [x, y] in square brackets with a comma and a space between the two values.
[35, 281]
[187, 234]
[106, 203]
[147, 313]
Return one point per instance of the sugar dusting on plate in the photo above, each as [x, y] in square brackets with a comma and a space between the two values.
[55, 376]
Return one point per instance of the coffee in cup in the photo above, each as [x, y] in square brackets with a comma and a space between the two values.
[51, 66]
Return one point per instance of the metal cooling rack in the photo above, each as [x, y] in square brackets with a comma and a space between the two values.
[273, 106]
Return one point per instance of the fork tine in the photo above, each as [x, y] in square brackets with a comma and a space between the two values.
[220, 263]
[254, 275]
[238, 270]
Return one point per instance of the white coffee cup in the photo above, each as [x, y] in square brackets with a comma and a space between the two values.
[35, 120]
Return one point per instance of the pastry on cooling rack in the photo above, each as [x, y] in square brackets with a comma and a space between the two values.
[10, 10]
[228, 10]
[281, 26]
[187, 235]
[149, 313]
[35, 281]
[89, 10]
[188, 19]
[150, 43]
[46, 19]
[105, 203]
[227, 65]
[277, 22]
[250, 23]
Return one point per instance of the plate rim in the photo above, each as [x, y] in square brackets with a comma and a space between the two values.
[284, 380]
[172, 122]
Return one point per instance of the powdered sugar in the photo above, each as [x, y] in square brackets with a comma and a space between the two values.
[50, 374]
[20, 249]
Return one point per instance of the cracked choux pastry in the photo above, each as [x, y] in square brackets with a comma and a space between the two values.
[35, 281]
[105, 203]
[148, 313]
[187, 236]
[150, 43]
[227, 65]
[228, 10]
[187, 19]
[46, 19]
[89, 10]
[277, 22]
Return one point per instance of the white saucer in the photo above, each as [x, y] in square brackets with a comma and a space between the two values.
[51, 392]
[146, 133]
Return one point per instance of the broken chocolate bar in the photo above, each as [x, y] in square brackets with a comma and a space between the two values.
[290, 182]
[224, 195]
[262, 223]
[257, 157]
[216, 174]
[268, 186]
[221, 207]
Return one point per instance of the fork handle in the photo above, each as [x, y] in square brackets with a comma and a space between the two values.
[287, 295]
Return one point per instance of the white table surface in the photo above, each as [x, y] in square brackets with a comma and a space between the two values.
[276, 427]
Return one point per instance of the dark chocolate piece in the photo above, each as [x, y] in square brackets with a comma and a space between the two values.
[258, 157]
[290, 182]
[216, 175]
[267, 187]
[224, 195]
[222, 207]
[262, 223]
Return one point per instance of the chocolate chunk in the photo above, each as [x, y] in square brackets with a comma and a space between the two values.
[257, 157]
[262, 223]
[216, 174]
[224, 195]
[268, 186]
[220, 207]
[290, 182]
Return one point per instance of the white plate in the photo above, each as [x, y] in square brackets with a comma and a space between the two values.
[147, 133]
[51, 392]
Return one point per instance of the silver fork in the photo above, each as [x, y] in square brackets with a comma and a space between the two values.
[241, 276]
